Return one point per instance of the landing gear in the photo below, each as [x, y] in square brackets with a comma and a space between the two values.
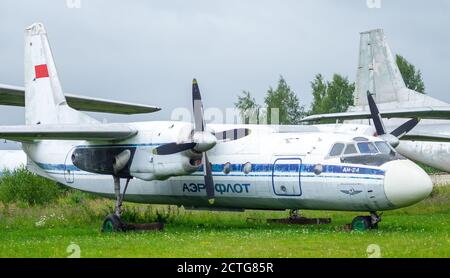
[113, 222]
[296, 218]
[364, 223]
[294, 214]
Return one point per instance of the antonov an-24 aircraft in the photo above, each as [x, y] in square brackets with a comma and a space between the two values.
[217, 167]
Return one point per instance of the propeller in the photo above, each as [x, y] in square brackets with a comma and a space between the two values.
[202, 140]
[393, 137]
[199, 128]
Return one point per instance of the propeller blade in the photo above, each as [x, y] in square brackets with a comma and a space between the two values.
[232, 134]
[376, 117]
[199, 124]
[173, 148]
[209, 182]
[405, 128]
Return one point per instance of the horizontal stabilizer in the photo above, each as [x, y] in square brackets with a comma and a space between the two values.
[442, 112]
[15, 96]
[100, 132]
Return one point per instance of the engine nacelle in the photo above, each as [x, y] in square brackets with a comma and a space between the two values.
[147, 166]
[104, 160]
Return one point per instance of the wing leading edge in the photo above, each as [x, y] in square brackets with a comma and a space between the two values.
[442, 112]
[15, 96]
[93, 132]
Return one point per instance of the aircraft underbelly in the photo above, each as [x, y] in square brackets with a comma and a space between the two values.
[318, 193]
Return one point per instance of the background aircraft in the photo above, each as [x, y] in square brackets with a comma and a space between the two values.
[204, 166]
[12, 159]
[378, 74]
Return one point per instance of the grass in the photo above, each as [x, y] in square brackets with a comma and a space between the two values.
[48, 231]
[428, 169]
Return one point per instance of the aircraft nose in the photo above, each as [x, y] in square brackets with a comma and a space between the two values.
[405, 183]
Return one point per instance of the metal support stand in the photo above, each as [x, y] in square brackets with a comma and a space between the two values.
[296, 218]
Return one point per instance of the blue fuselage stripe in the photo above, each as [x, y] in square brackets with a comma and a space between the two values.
[257, 169]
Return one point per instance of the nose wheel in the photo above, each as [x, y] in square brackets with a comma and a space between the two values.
[364, 223]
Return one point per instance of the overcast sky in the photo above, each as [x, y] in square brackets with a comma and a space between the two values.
[149, 51]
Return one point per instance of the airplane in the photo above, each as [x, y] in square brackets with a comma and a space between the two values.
[429, 141]
[204, 166]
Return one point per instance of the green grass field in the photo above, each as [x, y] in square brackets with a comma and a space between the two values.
[48, 230]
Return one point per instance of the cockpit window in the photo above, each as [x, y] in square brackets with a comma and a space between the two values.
[367, 148]
[383, 147]
[350, 149]
[337, 149]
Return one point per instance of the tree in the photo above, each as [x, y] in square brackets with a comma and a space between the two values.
[319, 92]
[248, 108]
[411, 76]
[285, 102]
[331, 97]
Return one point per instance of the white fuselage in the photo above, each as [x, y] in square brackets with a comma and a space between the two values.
[435, 154]
[282, 172]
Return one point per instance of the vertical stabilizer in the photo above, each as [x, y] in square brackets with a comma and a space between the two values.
[377, 70]
[44, 99]
[378, 73]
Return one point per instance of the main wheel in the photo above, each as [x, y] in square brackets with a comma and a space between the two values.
[361, 223]
[112, 223]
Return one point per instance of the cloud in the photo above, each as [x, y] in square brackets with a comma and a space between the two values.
[148, 51]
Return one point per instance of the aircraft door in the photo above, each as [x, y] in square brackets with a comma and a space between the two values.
[69, 175]
[286, 173]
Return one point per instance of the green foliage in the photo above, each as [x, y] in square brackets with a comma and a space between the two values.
[331, 96]
[286, 103]
[282, 106]
[147, 214]
[248, 108]
[411, 76]
[26, 187]
[430, 170]
[46, 231]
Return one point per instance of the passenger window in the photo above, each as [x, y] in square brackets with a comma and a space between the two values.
[367, 148]
[247, 168]
[383, 147]
[337, 149]
[350, 149]
[227, 168]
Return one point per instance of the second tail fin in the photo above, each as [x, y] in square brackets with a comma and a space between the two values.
[377, 70]
[379, 74]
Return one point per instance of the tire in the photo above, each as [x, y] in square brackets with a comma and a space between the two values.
[361, 223]
[112, 223]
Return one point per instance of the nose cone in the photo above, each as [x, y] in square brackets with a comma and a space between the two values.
[405, 183]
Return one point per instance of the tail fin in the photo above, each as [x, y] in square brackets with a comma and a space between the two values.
[377, 70]
[44, 99]
[378, 73]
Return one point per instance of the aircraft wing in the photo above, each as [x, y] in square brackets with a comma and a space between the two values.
[15, 96]
[441, 112]
[96, 132]
[425, 136]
